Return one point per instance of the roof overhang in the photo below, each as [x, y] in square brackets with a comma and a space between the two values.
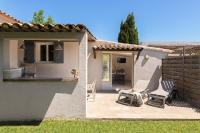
[107, 46]
[26, 27]
[113, 46]
[102, 45]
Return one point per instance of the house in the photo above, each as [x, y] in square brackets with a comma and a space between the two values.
[36, 62]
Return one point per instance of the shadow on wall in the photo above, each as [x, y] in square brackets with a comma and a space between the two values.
[155, 80]
[145, 59]
[29, 101]
[157, 83]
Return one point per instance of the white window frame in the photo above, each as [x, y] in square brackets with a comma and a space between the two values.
[38, 45]
[109, 68]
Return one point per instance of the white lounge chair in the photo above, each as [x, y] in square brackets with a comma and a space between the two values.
[158, 97]
[135, 94]
[91, 91]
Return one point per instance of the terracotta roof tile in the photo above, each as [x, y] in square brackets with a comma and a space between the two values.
[27, 27]
[114, 46]
[11, 17]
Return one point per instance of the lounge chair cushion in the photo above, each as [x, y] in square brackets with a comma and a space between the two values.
[158, 97]
[160, 92]
[138, 101]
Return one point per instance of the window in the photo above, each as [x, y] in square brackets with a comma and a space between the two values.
[106, 67]
[43, 53]
[47, 52]
[51, 52]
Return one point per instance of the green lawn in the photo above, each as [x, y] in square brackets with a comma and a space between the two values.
[107, 126]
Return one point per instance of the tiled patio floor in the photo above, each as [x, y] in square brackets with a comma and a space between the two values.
[105, 106]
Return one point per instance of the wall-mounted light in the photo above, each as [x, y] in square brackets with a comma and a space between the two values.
[58, 46]
[22, 46]
[146, 57]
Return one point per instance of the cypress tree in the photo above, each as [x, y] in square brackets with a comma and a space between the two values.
[128, 31]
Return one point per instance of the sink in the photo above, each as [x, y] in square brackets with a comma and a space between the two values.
[12, 73]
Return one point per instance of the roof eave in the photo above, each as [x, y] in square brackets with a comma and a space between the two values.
[133, 45]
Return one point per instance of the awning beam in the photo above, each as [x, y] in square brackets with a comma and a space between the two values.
[116, 50]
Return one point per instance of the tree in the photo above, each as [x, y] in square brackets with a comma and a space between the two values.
[39, 18]
[50, 20]
[128, 31]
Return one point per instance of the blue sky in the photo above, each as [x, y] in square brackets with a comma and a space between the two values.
[157, 20]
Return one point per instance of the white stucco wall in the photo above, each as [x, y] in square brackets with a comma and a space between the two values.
[71, 61]
[10, 53]
[95, 67]
[36, 100]
[39, 100]
[45, 69]
[149, 69]
[144, 69]
[13, 54]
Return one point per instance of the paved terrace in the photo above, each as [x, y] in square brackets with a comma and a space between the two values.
[105, 106]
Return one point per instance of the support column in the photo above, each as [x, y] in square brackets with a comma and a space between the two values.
[83, 72]
[132, 68]
[1, 59]
[6, 54]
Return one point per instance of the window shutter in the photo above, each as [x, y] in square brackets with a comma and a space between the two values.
[59, 54]
[29, 56]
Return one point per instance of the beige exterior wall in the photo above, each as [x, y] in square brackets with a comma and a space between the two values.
[50, 69]
[149, 68]
[39, 100]
[10, 54]
[71, 61]
[94, 67]
[36, 100]
[13, 54]
[144, 69]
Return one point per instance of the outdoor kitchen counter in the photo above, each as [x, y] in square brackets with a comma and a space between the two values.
[42, 79]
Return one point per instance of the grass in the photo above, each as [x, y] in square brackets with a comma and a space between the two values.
[106, 126]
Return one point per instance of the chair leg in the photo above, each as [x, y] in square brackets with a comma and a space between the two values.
[94, 96]
[163, 103]
[131, 102]
[119, 97]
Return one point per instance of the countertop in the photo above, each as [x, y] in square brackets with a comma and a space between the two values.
[65, 79]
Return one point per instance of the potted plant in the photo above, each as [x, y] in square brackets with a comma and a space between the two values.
[75, 73]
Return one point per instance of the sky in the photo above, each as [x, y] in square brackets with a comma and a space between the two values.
[156, 20]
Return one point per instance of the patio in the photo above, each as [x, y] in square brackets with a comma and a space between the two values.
[105, 106]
